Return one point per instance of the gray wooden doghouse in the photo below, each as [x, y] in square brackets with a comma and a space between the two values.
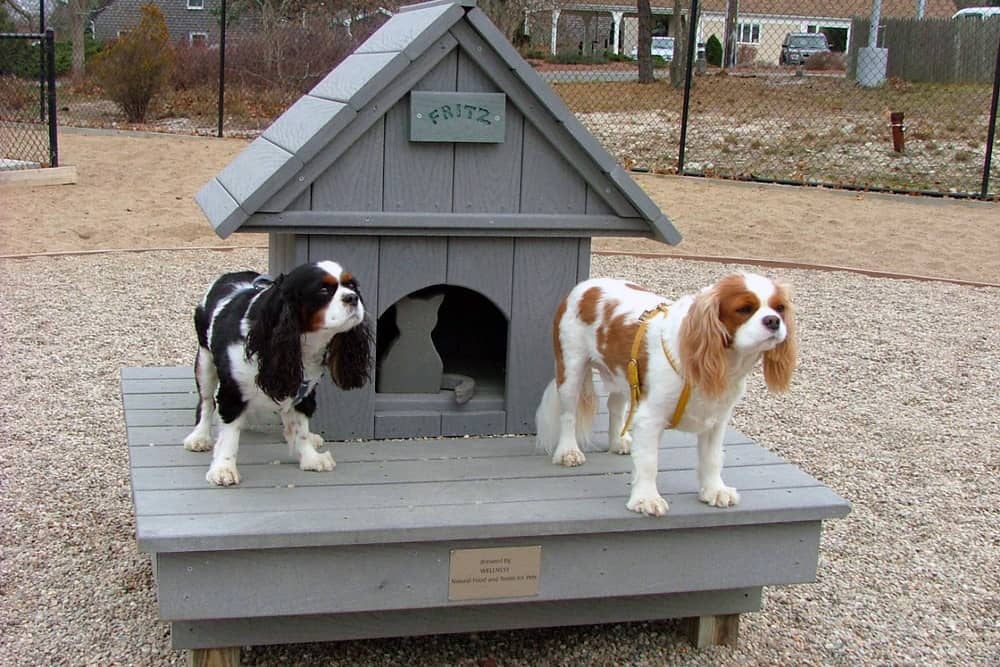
[435, 161]
[473, 230]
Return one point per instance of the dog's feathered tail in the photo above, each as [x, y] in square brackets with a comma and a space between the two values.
[548, 417]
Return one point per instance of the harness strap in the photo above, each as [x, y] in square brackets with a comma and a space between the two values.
[635, 391]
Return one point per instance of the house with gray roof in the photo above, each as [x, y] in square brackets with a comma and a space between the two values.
[194, 22]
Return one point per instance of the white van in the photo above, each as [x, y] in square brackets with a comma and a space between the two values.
[981, 13]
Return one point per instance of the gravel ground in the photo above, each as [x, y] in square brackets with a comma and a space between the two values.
[895, 407]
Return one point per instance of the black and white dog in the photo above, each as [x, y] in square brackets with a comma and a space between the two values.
[264, 343]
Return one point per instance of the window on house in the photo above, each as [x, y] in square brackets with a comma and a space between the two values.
[749, 33]
[196, 4]
[198, 39]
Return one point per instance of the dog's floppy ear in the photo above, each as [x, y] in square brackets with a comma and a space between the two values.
[779, 363]
[275, 338]
[703, 340]
[349, 357]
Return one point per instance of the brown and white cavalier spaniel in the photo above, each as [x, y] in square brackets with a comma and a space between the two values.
[678, 365]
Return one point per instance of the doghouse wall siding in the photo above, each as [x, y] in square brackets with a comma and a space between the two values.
[525, 278]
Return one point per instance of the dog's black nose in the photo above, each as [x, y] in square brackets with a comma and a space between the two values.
[350, 299]
[772, 322]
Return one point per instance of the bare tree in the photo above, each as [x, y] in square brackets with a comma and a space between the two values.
[507, 15]
[731, 42]
[17, 9]
[679, 64]
[78, 12]
[70, 17]
[645, 41]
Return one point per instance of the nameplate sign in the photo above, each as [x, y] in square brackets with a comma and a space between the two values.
[467, 117]
[484, 574]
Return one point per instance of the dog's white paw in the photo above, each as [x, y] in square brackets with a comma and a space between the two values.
[223, 474]
[569, 458]
[719, 496]
[649, 504]
[320, 462]
[197, 443]
[622, 445]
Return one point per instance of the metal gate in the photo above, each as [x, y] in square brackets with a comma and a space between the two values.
[28, 101]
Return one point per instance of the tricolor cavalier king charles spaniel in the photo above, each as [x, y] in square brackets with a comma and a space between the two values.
[689, 362]
[263, 344]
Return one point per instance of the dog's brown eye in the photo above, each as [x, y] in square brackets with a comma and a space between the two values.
[744, 310]
[780, 308]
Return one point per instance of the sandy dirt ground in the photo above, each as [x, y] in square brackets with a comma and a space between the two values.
[137, 191]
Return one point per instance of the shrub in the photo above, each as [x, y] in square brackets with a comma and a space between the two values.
[746, 54]
[713, 51]
[18, 95]
[573, 57]
[194, 66]
[299, 57]
[22, 57]
[617, 57]
[133, 69]
[17, 56]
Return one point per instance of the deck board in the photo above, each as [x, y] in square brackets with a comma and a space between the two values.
[279, 468]
[448, 488]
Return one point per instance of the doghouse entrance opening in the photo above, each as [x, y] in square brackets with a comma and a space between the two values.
[442, 339]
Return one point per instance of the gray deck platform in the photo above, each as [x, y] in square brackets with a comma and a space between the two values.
[290, 556]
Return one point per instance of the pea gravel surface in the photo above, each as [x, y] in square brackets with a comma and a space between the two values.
[894, 406]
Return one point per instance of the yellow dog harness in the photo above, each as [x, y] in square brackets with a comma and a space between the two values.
[633, 370]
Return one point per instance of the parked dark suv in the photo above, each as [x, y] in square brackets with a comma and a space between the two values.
[798, 46]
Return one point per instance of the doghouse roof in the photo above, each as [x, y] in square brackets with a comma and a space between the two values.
[267, 186]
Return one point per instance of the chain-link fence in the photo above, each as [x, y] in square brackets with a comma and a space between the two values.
[800, 92]
[27, 101]
[796, 91]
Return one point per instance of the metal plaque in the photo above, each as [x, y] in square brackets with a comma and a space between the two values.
[466, 117]
[483, 574]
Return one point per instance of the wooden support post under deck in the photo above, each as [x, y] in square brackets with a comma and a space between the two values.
[214, 657]
[722, 630]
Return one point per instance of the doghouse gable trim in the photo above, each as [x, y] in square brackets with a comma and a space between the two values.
[451, 224]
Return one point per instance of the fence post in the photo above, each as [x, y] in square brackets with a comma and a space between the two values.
[41, 63]
[691, 51]
[222, 65]
[50, 48]
[991, 131]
